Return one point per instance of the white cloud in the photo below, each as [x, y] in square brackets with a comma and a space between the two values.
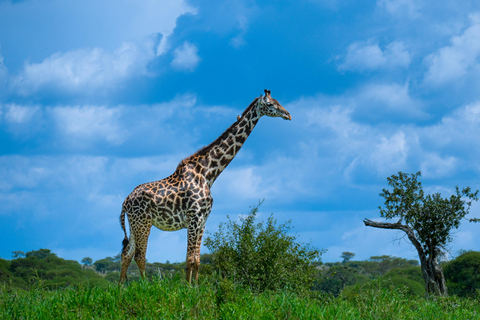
[381, 155]
[91, 62]
[363, 56]
[444, 149]
[381, 101]
[457, 61]
[459, 128]
[390, 153]
[85, 70]
[357, 147]
[388, 102]
[106, 24]
[239, 40]
[338, 132]
[85, 127]
[409, 8]
[337, 118]
[87, 123]
[436, 166]
[453, 141]
[243, 183]
[18, 114]
[186, 57]
[3, 73]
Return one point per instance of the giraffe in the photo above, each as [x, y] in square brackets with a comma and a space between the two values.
[183, 200]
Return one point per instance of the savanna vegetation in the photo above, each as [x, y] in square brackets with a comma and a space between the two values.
[256, 269]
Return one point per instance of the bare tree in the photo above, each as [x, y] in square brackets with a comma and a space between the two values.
[427, 221]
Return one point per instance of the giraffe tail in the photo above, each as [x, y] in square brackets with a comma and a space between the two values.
[122, 223]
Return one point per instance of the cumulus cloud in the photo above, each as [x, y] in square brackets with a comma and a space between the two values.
[390, 153]
[84, 70]
[382, 101]
[363, 56]
[377, 102]
[186, 57]
[382, 154]
[457, 61]
[3, 73]
[110, 22]
[247, 183]
[18, 114]
[239, 40]
[90, 62]
[436, 166]
[453, 141]
[356, 146]
[80, 124]
[410, 8]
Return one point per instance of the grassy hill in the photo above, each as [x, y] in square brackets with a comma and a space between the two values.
[43, 269]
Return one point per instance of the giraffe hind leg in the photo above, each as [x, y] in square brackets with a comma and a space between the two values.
[127, 255]
[141, 252]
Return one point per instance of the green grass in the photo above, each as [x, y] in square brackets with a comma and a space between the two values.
[172, 298]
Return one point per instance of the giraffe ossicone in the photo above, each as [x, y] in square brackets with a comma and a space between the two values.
[183, 200]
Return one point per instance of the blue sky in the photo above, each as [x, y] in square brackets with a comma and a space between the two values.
[97, 97]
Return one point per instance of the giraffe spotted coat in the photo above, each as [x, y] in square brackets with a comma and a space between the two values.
[183, 200]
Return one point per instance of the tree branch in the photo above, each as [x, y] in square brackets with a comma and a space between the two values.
[404, 228]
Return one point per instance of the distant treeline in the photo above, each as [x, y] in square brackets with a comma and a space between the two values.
[44, 269]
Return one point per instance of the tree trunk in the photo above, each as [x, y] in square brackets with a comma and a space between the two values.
[434, 279]
[432, 272]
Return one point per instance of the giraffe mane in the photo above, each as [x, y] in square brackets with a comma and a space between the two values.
[204, 150]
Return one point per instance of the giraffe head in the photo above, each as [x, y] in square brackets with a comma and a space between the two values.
[270, 107]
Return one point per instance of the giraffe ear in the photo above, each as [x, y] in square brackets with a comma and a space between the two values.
[266, 98]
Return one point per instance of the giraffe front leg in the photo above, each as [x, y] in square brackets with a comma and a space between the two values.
[196, 265]
[193, 253]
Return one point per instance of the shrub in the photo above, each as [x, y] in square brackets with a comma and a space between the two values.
[262, 256]
[463, 274]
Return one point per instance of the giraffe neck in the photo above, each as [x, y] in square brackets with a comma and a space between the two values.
[214, 158]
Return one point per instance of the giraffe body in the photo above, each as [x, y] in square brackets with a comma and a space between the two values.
[183, 200]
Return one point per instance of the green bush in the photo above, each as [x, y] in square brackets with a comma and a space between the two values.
[408, 280]
[463, 274]
[334, 279]
[262, 256]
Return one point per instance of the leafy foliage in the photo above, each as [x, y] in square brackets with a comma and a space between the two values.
[262, 256]
[87, 261]
[104, 265]
[430, 216]
[335, 278]
[463, 274]
[379, 265]
[347, 256]
[339, 276]
[410, 278]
